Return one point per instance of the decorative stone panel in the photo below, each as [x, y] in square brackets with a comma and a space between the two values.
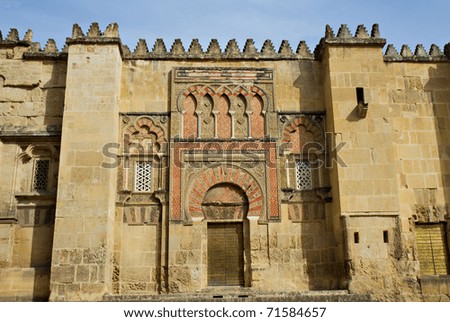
[303, 132]
[219, 175]
[143, 167]
[198, 166]
[225, 201]
[143, 135]
[222, 103]
[141, 214]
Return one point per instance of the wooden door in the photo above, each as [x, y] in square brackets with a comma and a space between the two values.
[225, 254]
[432, 249]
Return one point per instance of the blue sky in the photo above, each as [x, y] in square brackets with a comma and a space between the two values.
[401, 22]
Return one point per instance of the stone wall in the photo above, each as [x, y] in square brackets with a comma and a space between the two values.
[420, 116]
[31, 107]
[31, 90]
[138, 271]
[435, 289]
[294, 90]
[382, 180]
[377, 124]
[84, 225]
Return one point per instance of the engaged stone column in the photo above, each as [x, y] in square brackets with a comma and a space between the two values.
[83, 240]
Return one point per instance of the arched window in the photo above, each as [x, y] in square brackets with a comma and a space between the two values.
[190, 117]
[38, 169]
[207, 117]
[257, 117]
[240, 117]
[224, 118]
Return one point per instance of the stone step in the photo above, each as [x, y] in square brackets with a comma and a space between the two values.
[245, 296]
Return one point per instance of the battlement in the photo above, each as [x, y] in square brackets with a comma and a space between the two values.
[94, 34]
[214, 51]
[231, 51]
[419, 55]
[13, 38]
[33, 49]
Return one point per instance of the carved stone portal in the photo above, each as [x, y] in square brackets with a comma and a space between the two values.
[225, 202]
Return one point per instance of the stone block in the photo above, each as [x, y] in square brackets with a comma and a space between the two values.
[93, 273]
[82, 273]
[135, 274]
[181, 257]
[63, 274]
[92, 288]
[68, 256]
[94, 255]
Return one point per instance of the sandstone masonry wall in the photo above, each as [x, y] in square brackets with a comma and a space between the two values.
[31, 108]
[378, 124]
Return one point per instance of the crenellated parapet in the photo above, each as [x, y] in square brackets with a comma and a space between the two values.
[50, 51]
[13, 38]
[214, 51]
[94, 34]
[30, 49]
[345, 37]
[420, 54]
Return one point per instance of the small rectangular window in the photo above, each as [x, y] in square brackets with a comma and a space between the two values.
[385, 236]
[360, 95]
[41, 171]
[303, 175]
[143, 176]
[356, 237]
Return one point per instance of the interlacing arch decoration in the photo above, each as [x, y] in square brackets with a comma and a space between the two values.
[206, 90]
[241, 90]
[222, 175]
[302, 133]
[224, 90]
[190, 100]
[143, 136]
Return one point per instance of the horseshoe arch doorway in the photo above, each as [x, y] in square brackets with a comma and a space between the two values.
[225, 207]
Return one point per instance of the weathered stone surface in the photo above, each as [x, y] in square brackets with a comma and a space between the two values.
[160, 146]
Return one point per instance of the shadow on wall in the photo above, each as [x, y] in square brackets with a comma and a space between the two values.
[41, 255]
[53, 94]
[439, 87]
[310, 87]
[317, 240]
[353, 116]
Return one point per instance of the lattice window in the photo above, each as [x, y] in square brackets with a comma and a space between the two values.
[303, 175]
[143, 176]
[41, 171]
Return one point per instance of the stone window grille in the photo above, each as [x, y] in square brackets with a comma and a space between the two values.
[41, 172]
[303, 176]
[143, 176]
